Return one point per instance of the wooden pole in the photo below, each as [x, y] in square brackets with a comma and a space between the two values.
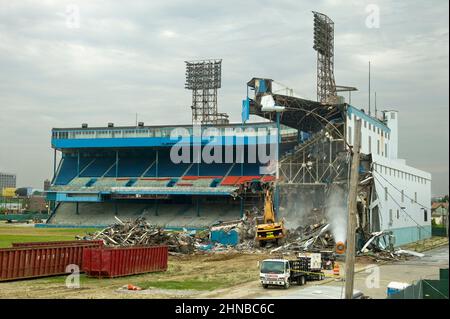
[351, 223]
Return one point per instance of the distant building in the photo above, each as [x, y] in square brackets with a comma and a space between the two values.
[47, 184]
[35, 204]
[24, 191]
[439, 212]
[7, 181]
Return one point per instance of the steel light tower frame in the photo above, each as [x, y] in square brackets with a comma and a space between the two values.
[324, 45]
[203, 77]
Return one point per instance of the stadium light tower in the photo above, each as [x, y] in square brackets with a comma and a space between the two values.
[324, 45]
[203, 77]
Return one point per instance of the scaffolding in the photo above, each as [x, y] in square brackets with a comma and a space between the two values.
[321, 160]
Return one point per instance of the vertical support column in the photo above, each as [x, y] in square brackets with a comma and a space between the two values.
[157, 207]
[277, 190]
[242, 159]
[78, 163]
[77, 208]
[117, 163]
[198, 206]
[54, 163]
[242, 206]
[157, 163]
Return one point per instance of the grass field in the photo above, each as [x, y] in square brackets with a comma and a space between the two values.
[198, 273]
[13, 233]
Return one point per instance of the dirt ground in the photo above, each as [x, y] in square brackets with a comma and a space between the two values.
[217, 272]
[218, 275]
[207, 275]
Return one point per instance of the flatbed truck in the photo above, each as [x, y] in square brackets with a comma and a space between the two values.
[283, 272]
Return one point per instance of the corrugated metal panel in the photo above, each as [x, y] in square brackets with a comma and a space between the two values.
[40, 261]
[115, 262]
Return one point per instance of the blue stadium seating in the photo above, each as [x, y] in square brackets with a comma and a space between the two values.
[67, 171]
[99, 167]
[134, 165]
[166, 168]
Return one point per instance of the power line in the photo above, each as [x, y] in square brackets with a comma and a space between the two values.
[400, 191]
[402, 208]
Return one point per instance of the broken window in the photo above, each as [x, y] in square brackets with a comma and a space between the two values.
[403, 196]
[385, 150]
[385, 193]
[378, 147]
[398, 214]
[370, 144]
[425, 215]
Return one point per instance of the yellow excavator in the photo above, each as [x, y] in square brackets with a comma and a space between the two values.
[267, 229]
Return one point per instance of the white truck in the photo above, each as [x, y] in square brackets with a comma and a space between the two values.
[283, 272]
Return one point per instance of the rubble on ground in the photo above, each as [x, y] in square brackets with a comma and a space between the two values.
[140, 232]
[311, 238]
[380, 247]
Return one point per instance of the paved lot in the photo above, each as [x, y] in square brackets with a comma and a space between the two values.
[405, 271]
[374, 279]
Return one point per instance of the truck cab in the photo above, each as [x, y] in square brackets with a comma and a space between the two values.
[282, 272]
[275, 272]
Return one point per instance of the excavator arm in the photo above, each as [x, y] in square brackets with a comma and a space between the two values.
[270, 229]
[269, 213]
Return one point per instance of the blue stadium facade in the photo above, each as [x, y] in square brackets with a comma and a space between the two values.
[128, 172]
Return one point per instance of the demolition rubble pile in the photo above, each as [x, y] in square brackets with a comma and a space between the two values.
[140, 232]
[314, 237]
[307, 238]
[380, 247]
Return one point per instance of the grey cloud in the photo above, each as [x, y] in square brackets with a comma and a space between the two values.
[129, 58]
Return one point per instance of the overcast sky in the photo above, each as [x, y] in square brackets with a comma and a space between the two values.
[115, 59]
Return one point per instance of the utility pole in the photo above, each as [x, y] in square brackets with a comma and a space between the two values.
[352, 207]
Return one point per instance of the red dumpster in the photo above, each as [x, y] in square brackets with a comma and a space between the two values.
[59, 243]
[124, 261]
[40, 261]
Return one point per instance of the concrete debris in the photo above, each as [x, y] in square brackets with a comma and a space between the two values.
[313, 237]
[380, 247]
[409, 252]
[140, 232]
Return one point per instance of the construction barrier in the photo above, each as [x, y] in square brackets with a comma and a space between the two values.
[40, 261]
[124, 261]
